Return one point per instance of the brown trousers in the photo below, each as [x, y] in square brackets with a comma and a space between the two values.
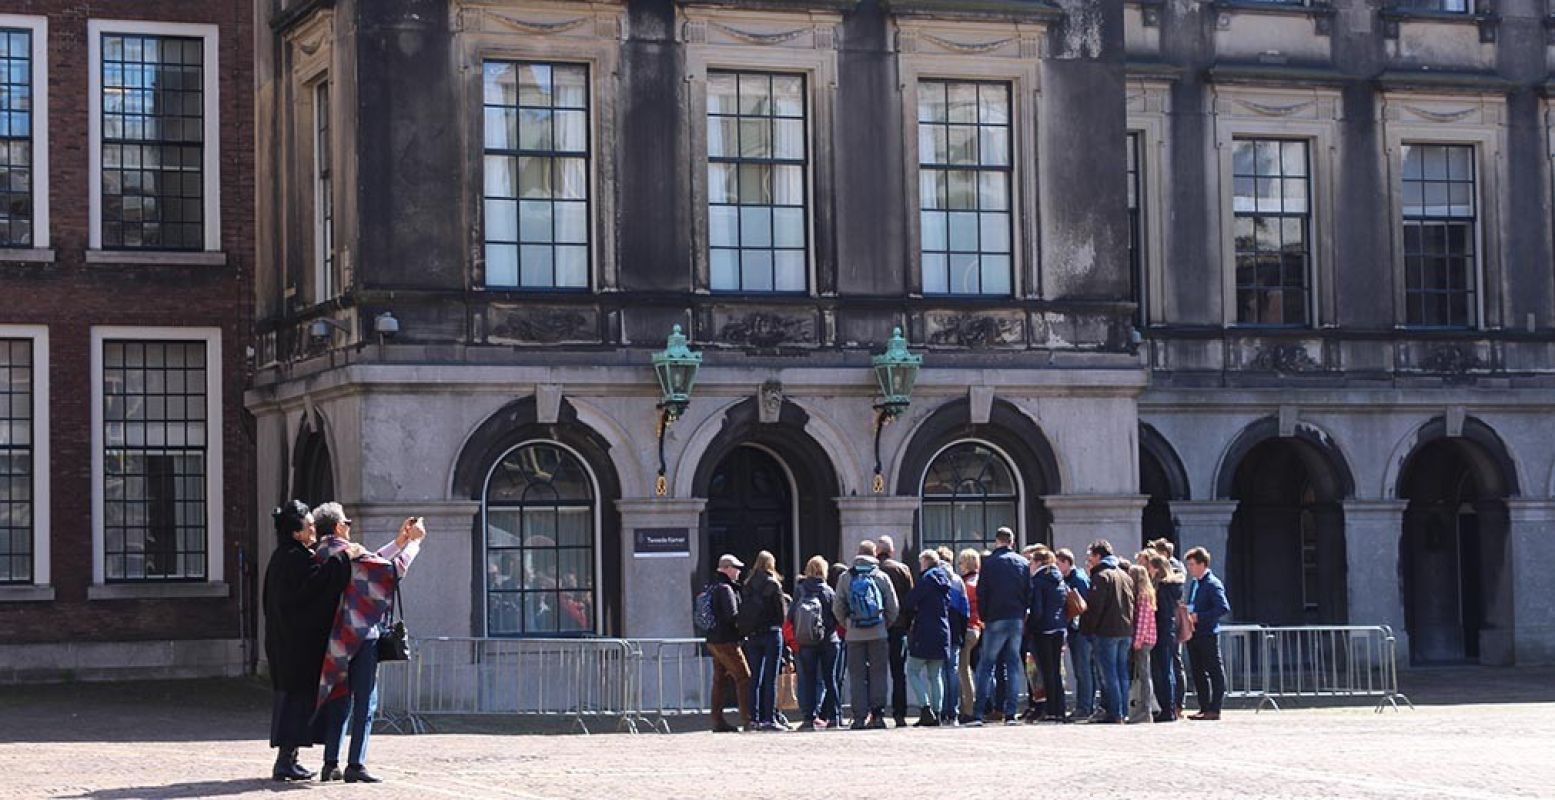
[729, 667]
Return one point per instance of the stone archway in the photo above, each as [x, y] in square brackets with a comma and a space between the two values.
[1163, 479]
[1454, 545]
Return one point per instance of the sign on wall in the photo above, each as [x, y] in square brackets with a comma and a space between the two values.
[661, 542]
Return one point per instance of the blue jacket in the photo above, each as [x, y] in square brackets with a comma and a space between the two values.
[1168, 593]
[1003, 585]
[1080, 582]
[928, 604]
[1208, 601]
[1048, 592]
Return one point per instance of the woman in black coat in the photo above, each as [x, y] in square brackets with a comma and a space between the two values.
[301, 596]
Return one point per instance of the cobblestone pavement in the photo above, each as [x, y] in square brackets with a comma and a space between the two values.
[205, 740]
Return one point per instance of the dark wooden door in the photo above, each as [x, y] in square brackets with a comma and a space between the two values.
[750, 508]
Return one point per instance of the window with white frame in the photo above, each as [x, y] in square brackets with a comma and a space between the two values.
[154, 135]
[1440, 228]
[17, 473]
[965, 173]
[156, 455]
[323, 196]
[536, 185]
[1271, 201]
[23, 132]
[757, 169]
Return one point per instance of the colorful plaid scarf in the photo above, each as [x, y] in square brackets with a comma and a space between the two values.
[363, 605]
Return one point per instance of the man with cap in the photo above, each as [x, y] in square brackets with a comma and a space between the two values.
[723, 644]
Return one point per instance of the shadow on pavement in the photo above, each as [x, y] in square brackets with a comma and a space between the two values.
[192, 789]
[236, 709]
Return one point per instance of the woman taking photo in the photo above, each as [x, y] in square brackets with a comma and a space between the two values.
[348, 683]
[301, 594]
[761, 620]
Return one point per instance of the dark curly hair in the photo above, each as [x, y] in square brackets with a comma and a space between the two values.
[290, 517]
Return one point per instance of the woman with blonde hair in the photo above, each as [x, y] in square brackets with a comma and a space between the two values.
[968, 563]
[1141, 701]
[815, 631]
[1166, 657]
[761, 622]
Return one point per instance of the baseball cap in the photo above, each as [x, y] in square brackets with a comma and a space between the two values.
[727, 560]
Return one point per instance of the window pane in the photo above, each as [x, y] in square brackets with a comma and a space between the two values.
[154, 460]
[977, 141]
[1271, 194]
[152, 107]
[16, 460]
[1439, 232]
[16, 206]
[541, 110]
[757, 161]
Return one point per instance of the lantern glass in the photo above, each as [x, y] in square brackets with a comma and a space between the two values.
[676, 368]
[896, 370]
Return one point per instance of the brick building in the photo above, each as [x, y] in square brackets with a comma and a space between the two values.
[126, 256]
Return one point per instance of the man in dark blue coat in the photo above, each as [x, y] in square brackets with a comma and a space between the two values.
[1002, 598]
[1207, 606]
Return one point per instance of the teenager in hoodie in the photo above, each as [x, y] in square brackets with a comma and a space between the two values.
[1047, 623]
[928, 639]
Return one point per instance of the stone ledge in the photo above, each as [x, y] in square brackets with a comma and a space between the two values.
[156, 591]
[158, 258]
[27, 256]
[100, 661]
[26, 594]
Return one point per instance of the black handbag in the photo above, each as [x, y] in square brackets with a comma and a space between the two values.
[394, 640]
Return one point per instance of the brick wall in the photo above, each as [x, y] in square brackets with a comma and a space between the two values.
[71, 296]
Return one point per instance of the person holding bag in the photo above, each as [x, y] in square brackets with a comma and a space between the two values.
[348, 681]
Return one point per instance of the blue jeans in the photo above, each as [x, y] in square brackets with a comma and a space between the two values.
[357, 708]
[1080, 646]
[764, 651]
[928, 682]
[1111, 653]
[818, 681]
[947, 710]
[1001, 644]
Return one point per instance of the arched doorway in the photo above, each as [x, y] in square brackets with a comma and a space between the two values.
[313, 473]
[769, 486]
[1287, 545]
[1453, 546]
[750, 508]
[1163, 479]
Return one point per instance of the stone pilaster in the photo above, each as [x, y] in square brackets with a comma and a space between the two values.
[658, 589]
[1372, 530]
[1532, 539]
[871, 516]
[1206, 524]
[1079, 519]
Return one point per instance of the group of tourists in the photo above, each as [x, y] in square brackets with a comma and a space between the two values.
[327, 601]
[964, 633]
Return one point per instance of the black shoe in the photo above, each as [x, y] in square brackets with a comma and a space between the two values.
[330, 772]
[877, 721]
[725, 728]
[356, 773]
[287, 768]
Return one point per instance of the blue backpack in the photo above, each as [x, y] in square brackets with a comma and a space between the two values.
[865, 605]
[702, 612]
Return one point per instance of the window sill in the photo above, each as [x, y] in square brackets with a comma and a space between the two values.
[156, 591]
[1487, 22]
[1313, 10]
[158, 258]
[26, 594]
[26, 256]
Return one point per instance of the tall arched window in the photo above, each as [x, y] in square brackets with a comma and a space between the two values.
[968, 493]
[539, 513]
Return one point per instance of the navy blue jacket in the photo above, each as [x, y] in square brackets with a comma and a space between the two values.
[928, 604]
[1003, 585]
[1209, 603]
[1080, 582]
[1048, 592]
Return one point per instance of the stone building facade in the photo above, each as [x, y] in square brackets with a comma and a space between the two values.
[1304, 318]
[126, 250]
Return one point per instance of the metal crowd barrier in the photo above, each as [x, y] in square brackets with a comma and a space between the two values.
[570, 679]
[644, 683]
[1332, 661]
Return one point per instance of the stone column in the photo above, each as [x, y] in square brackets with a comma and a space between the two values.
[1079, 519]
[1372, 531]
[1532, 548]
[871, 516]
[1206, 524]
[657, 590]
[440, 591]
